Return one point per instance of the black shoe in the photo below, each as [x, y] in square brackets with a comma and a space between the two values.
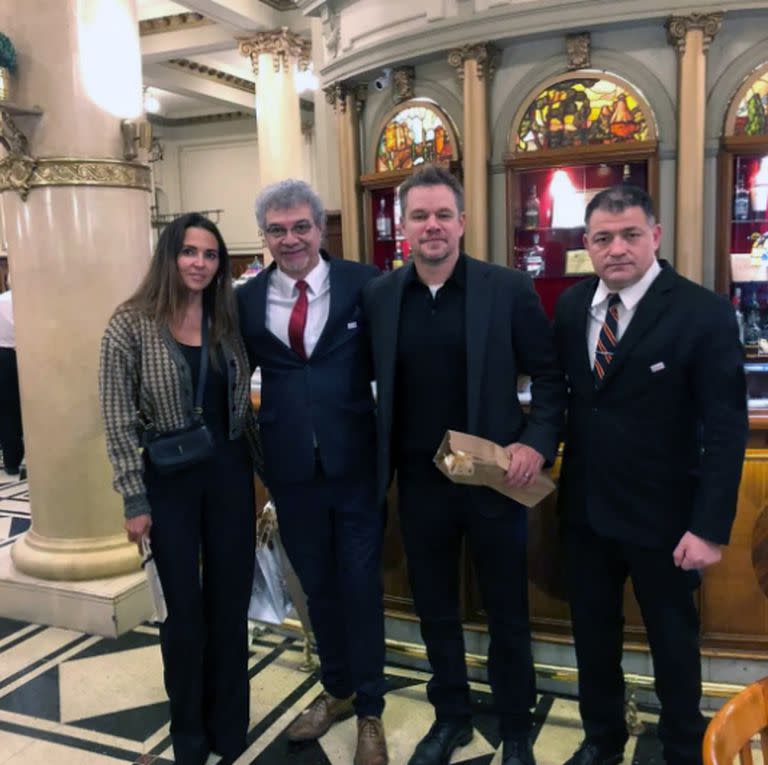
[592, 754]
[437, 746]
[518, 751]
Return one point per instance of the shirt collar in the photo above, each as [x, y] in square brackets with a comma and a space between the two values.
[458, 275]
[316, 278]
[632, 295]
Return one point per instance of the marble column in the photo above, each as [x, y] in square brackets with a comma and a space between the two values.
[691, 35]
[348, 102]
[276, 56]
[76, 226]
[475, 66]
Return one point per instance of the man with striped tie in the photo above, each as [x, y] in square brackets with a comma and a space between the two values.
[657, 427]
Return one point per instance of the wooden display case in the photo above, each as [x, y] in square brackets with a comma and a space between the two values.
[547, 192]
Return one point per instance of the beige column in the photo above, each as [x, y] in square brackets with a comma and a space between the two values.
[475, 66]
[276, 56]
[691, 35]
[76, 223]
[326, 135]
[348, 103]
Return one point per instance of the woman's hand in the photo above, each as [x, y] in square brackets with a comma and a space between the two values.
[138, 527]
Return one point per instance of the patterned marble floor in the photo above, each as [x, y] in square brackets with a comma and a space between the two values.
[74, 699]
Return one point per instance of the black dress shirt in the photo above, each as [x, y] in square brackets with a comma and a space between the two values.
[431, 373]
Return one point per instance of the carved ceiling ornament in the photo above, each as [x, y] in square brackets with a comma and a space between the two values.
[215, 75]
[402, 83]
[331, 31]
[485, 54]
[172, 23]
[282, 44]
[578, 50]
[679, 26]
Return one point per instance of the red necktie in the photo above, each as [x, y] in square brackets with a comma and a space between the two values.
[298, 320]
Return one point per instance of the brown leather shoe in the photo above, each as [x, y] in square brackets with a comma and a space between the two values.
[371, 744]
[315, 720]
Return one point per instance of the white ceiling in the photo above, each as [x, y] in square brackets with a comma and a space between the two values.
[183, 91]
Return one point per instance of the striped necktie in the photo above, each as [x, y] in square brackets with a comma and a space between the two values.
[607, 340]
[298, 319]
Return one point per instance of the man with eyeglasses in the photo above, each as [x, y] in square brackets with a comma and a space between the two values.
[657, 426]
[302, 323]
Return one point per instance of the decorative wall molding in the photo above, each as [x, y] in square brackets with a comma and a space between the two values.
[24, 174]
[215, 75]
[336, 96]
[402, 83]
[173, 23]
[282, 44]
[679, 26]
[578, 50]
[201, 119]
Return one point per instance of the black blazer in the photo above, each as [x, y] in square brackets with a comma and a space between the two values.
[328, 396]
[507, 334]
[657, 448]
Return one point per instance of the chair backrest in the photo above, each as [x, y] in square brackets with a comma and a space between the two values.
[730, 731]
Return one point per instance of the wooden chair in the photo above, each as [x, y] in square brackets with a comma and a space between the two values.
[730, 731]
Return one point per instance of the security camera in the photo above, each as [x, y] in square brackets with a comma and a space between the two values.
[382, 83]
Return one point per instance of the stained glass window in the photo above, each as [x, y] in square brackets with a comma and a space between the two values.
[752, 111]
[415, 135]
[582, 112]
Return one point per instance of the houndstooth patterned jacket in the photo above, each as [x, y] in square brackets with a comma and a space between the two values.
[143, 377]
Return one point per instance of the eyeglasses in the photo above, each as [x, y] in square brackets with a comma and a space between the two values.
[301, 228]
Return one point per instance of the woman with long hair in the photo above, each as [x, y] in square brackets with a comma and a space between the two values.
[200, 518]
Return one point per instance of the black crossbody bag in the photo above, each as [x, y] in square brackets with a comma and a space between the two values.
[178, 449]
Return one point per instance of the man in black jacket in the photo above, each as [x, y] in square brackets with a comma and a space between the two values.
[657, 427]
[450, 335]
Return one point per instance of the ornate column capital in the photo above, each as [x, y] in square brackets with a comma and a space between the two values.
[578, 50]
[485, 54]
[281, 44]
[679, 26]
[402, 82]
[336, 96]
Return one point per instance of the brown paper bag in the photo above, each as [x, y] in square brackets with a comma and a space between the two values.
[477, 461]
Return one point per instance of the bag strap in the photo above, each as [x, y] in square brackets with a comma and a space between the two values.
[203, 363]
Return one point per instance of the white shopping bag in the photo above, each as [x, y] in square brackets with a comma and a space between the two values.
[153, 579]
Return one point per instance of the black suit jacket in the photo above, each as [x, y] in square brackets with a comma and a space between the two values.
[327, 397]
[657, 448]
[507, 334]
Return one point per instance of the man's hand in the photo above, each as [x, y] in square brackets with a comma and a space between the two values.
[693, 552]
[524, 464]
[138, 527]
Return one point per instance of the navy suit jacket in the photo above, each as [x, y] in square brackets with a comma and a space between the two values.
[507, 334]
[656, 449]
[327, 397]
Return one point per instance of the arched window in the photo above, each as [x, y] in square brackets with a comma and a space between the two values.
[748, 112]
[582, 109]
[414, 133]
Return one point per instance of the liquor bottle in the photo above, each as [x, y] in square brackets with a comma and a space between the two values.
[626, 175]
[532, 209]
[736, 302]
[397, 261]
[740, 200]
[383, 222]
[752, 326]
[533, 259]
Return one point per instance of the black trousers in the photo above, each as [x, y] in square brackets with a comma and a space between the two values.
[203, 539]
[597, 570]
[436, 517]
[332, 531]
[11, 438]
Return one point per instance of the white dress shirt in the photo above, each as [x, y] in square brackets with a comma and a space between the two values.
[282, 295]
[629, 298]
[7, 332]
